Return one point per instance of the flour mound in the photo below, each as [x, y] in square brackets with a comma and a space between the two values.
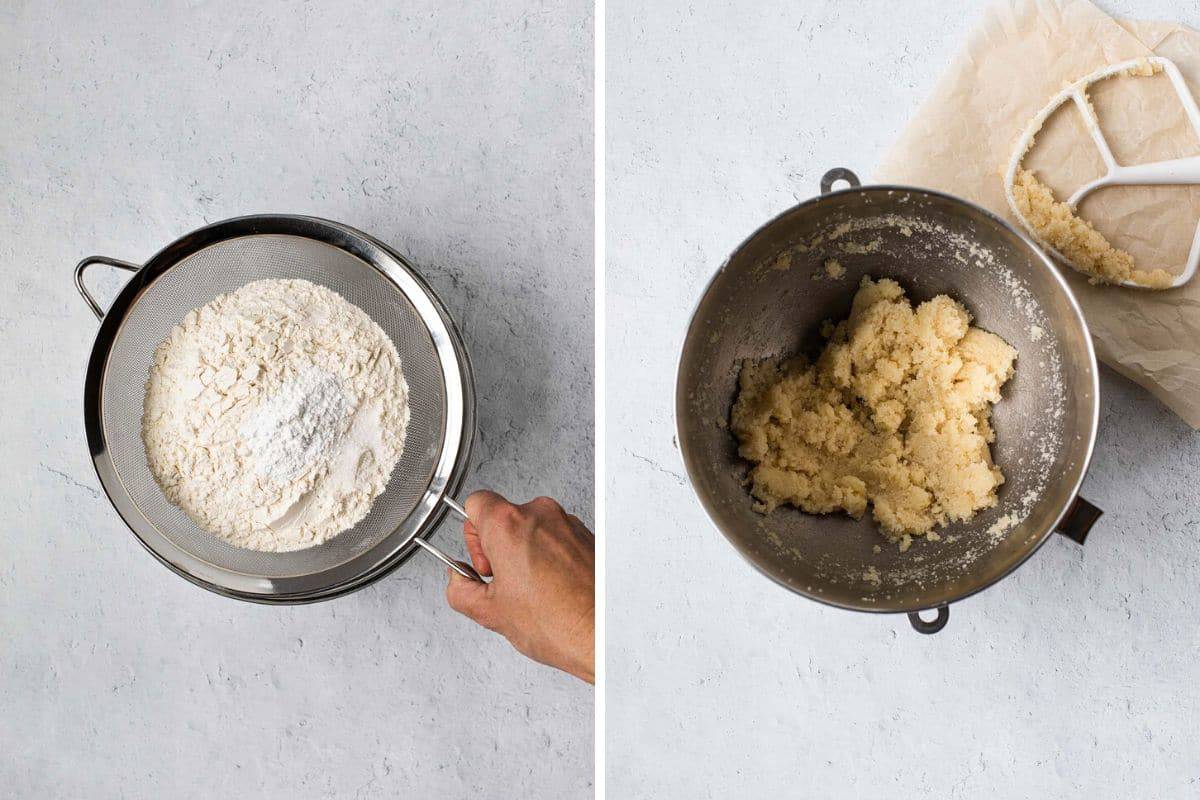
[275, 414]
[895, 415]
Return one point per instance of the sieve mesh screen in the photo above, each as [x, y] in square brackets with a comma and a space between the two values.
[221, 268]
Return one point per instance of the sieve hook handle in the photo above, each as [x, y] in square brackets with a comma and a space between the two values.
[81, 268]
[461, 567]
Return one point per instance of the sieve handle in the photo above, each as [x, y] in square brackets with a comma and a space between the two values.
[461, 567]
[81, 268]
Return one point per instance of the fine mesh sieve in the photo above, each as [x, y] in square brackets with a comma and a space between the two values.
[219, 259]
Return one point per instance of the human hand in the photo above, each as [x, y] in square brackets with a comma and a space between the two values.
[543, 567]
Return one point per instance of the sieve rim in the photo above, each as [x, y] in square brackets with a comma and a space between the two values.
[457, 439]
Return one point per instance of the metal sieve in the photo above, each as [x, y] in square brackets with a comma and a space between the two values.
[760, 305]
[218, 259]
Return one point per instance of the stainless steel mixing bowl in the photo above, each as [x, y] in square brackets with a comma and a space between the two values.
[770, 298]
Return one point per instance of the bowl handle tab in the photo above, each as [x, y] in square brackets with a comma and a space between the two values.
[930, 626]
[838, 174]
[1079, 520]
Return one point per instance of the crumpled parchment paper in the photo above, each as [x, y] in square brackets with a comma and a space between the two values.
[1016, 59]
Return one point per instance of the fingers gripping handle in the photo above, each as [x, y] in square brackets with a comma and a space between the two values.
[81, 268]
[461, 567]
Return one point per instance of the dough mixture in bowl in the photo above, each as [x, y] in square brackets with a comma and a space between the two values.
[895, 414]
[275, 414]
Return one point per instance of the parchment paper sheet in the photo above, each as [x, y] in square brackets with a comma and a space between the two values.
[1018, 57]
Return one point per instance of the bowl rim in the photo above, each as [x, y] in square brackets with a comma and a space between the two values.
[1090, 359]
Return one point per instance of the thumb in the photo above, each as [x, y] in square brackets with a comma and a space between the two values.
[469, 598]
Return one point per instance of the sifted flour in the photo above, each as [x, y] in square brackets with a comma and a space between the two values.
[275, 414]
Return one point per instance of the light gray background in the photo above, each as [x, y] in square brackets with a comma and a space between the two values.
[461, 133]
[1078, 674]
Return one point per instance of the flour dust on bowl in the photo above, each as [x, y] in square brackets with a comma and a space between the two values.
[217, 260]
[802, 269]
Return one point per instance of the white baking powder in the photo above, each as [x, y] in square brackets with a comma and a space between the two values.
[297, 427]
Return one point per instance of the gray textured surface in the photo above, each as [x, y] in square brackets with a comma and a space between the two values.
[460, 133]
[1075, 677]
